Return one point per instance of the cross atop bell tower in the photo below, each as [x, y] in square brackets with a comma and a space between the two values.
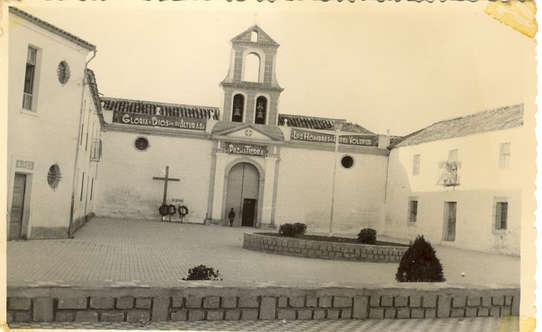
[251, 90]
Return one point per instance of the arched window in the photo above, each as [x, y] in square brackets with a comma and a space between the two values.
[238, 108]
[261, 110]
[254, 36]
[252, 68]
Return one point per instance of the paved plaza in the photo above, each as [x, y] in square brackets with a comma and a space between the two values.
[115, 252]
[386, 325]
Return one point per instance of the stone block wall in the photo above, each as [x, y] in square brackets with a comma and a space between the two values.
[231, 303]
[320, 249]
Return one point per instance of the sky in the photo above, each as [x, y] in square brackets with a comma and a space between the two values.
[386, 66]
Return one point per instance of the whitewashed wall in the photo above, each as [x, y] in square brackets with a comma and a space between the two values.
[85, 189]
[49, 135]
[304, 190]
[481, 181]
[127, 188]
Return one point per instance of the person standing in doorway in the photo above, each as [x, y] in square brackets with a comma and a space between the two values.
[231, 216]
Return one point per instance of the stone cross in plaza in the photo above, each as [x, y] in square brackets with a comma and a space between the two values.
[166, 179]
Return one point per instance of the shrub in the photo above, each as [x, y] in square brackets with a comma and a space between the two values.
[202, 272]
[420, 263]
[367, 236]
[292, 230]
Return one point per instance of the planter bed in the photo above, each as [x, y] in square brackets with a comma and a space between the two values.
[317, 246]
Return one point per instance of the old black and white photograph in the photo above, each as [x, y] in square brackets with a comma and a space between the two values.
[269, 165]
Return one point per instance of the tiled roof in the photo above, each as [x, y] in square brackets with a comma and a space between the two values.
[491, 120]
[93, 86]
[51, 28]
[355, 128]
[150, 107]
[309, 122]
[224, 127]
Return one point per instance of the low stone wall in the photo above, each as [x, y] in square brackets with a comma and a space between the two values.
[265, 303]
[320, 249]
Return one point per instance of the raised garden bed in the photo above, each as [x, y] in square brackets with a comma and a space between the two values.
[335, 239]
[317, 246]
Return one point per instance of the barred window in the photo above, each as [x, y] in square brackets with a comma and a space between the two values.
[501, 215]
[412, 210]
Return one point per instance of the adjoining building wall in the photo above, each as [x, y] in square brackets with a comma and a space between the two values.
[88, 161]
[127, 188]
[305, 190]
[482, 183]
[47, 134]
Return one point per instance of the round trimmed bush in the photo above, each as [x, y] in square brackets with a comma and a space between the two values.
[292, 230]
[202, 272]
[367, 236]
[420, 263]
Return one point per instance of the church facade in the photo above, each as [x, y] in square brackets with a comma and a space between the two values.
[245, 160]
[265, 166]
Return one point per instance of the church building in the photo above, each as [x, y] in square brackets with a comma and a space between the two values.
[83, 154]
[268, 167]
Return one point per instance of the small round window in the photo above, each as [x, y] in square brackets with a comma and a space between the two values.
[63, 72]
[53, 176]
[141, 143]
[347, 161]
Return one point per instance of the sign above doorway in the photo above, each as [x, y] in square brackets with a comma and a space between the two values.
[246, 149]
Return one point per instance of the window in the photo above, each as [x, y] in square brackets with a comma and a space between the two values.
[81, 134]
[238, 108]
[141, 143]
[251, 71]
[63, 72]
[453, 155]
[261, 110]
[86, 140]
[501, 215]
[504, 155]
[91, 188]
[254, 36]
[412, 210]
[347, 162]
[82, 186]
[53, 176]
[29, 78]
[416, 164]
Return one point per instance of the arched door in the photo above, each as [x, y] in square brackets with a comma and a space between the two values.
[242, 194]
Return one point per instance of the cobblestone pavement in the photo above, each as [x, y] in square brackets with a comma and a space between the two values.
[128, 252]
[386, 325]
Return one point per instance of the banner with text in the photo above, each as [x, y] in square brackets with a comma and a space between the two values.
[159, 121]
[248, 149]
[312, 136]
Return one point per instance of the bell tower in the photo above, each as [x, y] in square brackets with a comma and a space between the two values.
[251, 90]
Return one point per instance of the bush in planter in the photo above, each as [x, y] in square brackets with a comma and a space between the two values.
[367, 236]
[420, 263]
[292, 230]
[202, 272]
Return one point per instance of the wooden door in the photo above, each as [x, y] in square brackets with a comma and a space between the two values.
[17, 207]
[450, 211]
[249, 211]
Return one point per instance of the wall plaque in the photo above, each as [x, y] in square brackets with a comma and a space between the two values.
[26, 164]
[247, 149]
[159, 121]
[361, 140]
[311, 136]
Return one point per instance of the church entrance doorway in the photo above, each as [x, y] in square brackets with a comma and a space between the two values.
[242, 194]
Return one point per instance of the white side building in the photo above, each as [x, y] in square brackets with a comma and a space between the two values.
[457, 183]
[49, 92]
